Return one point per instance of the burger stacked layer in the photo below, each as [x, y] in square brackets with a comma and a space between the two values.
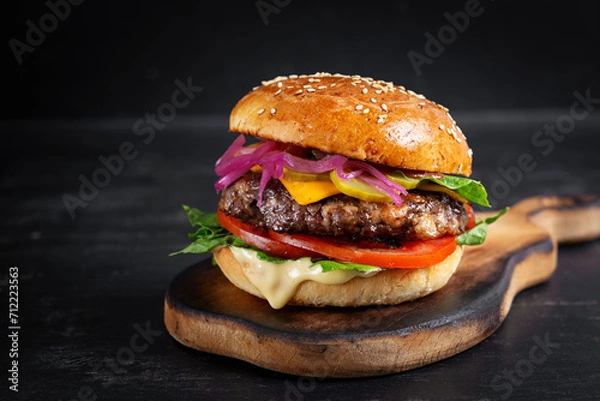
[351, 196]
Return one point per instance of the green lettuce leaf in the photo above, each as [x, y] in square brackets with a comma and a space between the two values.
[477, 235]
[329, 265]
[326, 264]
[209, 235]
[268, 258]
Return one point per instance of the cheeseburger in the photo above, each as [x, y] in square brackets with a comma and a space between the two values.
[354, 194]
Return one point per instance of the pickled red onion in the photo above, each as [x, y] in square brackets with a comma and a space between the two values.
[237, 160]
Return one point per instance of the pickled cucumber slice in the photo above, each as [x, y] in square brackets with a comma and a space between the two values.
[359, 189]
[399, 178]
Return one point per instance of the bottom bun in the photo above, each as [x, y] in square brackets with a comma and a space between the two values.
[387, 287]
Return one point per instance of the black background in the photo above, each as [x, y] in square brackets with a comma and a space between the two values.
[113, 58]
[86, 281]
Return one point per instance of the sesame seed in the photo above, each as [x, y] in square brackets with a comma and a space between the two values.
[359, 107]
[307, 86]
[373, 100]
[279, 84]
[380, 120]
[261, 111]
[278, 92]
[365, 111]
[274, 80]
[311, 80]
[255, 88]
[290, 87]
[299, 91]
[273, 111]
[470, 153]
[421, 104]
[302, 76]
[332, 85]
[293, 76]
[384, 107]
[460, 166]
[311, 90]
[365, 90]
[378, 91]
[441, 127]
[321, 86]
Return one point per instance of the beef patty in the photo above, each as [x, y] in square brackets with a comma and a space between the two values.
[423, 215]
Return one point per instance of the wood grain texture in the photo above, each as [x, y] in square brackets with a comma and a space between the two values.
[204, 311]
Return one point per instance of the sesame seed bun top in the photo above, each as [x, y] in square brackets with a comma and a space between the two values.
[358, 117]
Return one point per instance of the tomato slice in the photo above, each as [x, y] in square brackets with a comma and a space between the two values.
[471, 215]
[259, 238]
[412, 254]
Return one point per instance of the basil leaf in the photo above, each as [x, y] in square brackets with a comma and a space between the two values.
[467, 188]
[209, 235]
[477, 235]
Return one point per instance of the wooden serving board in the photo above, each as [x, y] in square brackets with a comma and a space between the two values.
[206, 312]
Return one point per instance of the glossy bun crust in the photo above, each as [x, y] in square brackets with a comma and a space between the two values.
[388, 287]
[357, 117]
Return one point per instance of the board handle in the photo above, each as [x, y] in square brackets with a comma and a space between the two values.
[568, 218]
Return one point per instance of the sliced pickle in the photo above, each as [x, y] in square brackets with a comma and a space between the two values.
[399, 178]
[359, 189]
[292, 175]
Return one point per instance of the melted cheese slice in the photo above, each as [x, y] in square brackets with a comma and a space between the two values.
[277, 282]
[307, 192]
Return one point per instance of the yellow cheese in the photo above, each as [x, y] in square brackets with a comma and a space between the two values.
[306, 192]
[277, 282]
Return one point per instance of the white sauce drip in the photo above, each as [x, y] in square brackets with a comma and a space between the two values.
[277, 282]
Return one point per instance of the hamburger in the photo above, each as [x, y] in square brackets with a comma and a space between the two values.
[352, 193]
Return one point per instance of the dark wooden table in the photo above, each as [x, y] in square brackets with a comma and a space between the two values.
[91, 286]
